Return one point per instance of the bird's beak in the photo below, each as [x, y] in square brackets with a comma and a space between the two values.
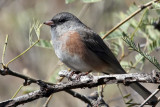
[49, 23]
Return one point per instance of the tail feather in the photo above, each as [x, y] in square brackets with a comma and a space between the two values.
[117, 69]
[143, 92]
[140, 89]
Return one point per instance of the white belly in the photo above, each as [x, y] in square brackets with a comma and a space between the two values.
[72, 61]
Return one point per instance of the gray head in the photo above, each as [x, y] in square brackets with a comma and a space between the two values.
[62, 18]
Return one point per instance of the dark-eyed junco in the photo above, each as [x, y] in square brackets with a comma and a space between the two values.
[81, 49]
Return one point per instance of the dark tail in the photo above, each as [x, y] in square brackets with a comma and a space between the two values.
[140, 89]
[144, 93]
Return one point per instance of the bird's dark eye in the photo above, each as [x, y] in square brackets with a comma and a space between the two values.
[62, 20]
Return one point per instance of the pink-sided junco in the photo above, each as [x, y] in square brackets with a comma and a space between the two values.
[81, 49]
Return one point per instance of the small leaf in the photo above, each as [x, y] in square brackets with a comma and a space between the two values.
[37, 27]
[129, 101]
[139, 57]
[126, 96]
[156, 5]
[30, 34]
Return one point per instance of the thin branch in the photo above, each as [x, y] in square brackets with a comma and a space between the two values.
[81, 97]
[129, 17]
[28, 80]
[22, 99]
[4, 49]
[126, 79]
[50, 97]
[17, 91]
[154, 93]
[47, 101]
[84, 81]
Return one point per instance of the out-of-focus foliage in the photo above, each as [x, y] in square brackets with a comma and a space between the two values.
[101, 15]
[142, 28]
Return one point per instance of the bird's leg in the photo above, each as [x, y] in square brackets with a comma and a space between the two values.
[72, 73]
[82, 74]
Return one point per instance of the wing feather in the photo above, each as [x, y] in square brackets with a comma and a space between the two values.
[94, 42]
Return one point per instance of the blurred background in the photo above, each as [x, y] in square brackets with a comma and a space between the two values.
[16, 17]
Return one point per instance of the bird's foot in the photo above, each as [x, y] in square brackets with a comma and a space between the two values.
[72, 73]
[82, 74]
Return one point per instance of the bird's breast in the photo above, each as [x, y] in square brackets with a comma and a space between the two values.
[73, 44]
[70, 50]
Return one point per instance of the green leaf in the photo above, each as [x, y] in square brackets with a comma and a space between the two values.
[126, 96]
[37, 27]
[153, 60]
[154, 45]
[69, 1]
[138, 57]
[30, 34]
[44, 44]
[90, 1]
[156, 6]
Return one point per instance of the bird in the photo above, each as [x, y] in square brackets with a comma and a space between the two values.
[81, 49]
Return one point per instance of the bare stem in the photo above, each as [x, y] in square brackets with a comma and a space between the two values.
[17, 91]
[4, 49]
[22, 53]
